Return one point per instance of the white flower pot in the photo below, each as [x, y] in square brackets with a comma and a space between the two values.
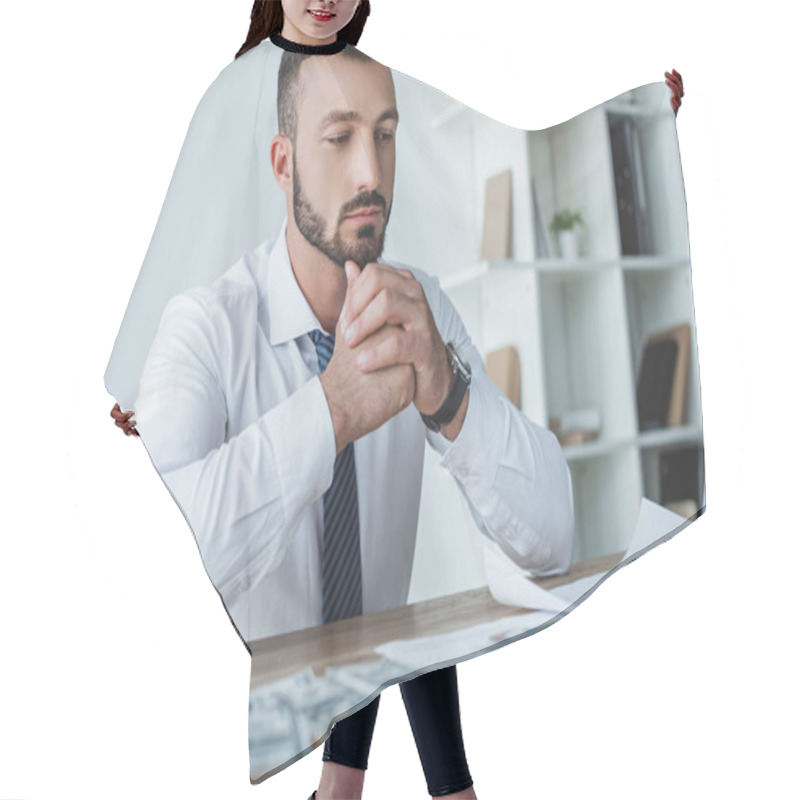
[568, 244]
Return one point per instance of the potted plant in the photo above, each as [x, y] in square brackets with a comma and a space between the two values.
[565, 229]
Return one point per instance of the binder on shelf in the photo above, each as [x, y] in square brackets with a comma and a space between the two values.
[682, 479]
[634, 233]
[496, 244]
[502, 367]
[541, 237]
[663, 377]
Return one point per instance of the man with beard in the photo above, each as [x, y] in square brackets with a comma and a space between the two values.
[287, 405]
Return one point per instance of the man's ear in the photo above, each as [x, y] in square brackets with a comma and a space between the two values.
[280, 155]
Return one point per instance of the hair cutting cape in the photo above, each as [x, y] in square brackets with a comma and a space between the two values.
[557, 262]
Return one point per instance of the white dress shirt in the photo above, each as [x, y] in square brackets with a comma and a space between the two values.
[234, 417]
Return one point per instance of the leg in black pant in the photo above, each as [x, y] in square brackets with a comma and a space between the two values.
[434, 713]
[432, 706]
[351, 738]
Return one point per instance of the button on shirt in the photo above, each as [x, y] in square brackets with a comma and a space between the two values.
[235, 419]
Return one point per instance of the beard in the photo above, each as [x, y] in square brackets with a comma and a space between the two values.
[369, 242]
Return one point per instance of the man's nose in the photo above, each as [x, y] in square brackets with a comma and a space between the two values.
[366, 166]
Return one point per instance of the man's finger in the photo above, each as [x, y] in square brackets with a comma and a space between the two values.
[395, 347]
[373, 279]
[386, 308]
[351, 272]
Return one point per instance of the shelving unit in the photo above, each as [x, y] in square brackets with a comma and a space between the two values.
[580, 326]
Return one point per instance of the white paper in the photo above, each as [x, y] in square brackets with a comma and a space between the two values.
[654, 522]
[431, 650]
[511, 586]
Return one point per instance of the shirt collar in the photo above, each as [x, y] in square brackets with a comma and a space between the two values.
[289, 315]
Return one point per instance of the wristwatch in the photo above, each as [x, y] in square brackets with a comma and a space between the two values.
[462, 375]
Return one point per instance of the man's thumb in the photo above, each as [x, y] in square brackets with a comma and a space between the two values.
[351, 270]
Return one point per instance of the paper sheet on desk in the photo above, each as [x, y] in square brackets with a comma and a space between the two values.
[433, 650]
[654, 523]
[511, 586]
[417, 653]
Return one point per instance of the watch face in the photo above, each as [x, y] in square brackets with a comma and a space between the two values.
[459, 361]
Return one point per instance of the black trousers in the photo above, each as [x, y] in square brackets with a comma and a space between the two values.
[431, 702]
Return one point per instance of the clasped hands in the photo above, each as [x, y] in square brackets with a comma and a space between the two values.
[388, 353]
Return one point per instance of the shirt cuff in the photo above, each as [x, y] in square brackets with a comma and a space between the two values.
[301, 431]
[474, 457]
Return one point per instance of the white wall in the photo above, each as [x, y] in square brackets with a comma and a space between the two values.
[121, 675]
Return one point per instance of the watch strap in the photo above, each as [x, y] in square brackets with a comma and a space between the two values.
[458, 388]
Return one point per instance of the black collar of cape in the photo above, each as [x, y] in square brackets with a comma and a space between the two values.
[308, 49]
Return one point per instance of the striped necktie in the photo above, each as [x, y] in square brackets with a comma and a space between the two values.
[341, 547]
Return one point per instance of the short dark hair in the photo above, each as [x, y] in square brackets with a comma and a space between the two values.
[289, 89]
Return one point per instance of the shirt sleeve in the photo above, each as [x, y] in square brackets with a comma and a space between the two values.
[512, 472]
[243, 495]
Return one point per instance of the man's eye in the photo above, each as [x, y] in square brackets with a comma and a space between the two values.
[340, 139]
[384, 136]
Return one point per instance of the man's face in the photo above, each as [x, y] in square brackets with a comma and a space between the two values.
[344, 157]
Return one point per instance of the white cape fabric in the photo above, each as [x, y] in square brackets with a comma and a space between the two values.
[557, 260]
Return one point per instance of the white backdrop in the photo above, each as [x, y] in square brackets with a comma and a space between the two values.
[120, 675]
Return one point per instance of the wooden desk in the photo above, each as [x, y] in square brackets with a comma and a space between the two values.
[353, 641]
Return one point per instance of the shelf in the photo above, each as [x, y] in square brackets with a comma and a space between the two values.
[666, 437]
[579, 265]
[648, 263]
[580, 326]
[558, 266]
[596, 449]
